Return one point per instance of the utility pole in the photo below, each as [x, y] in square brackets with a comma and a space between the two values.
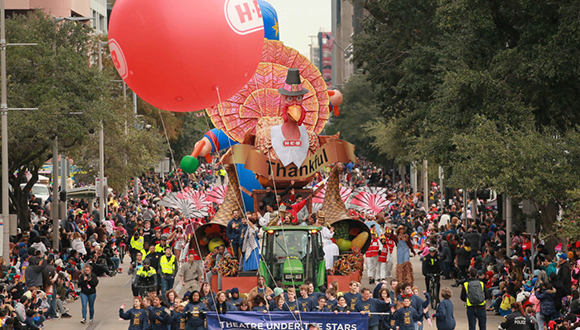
[54, 211]
[4, 106]
[103, 188]
[508, 223]
[425, 176]
[135, 179]
[5, 241]
[441, 187]
[414, 177]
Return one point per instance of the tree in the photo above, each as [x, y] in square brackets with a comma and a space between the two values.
[193, 130]
[398, 50]
[359, 109]
[487, 89]
[55, 76]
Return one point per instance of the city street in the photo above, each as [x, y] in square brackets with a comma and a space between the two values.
[113, 292]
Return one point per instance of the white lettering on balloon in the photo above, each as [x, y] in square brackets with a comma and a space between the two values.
[118, 58]
[244, 16]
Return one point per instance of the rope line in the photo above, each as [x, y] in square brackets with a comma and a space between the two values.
[280, 218]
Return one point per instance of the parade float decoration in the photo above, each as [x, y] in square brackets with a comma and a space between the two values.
[268, 103]
[217, 194]
[369, 199]
[190, 203]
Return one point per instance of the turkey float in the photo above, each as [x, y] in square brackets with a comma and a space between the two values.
[271, 129]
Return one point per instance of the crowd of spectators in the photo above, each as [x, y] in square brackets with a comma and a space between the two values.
[171, 284]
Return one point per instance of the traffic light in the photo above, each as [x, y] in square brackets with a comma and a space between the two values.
[62, 196]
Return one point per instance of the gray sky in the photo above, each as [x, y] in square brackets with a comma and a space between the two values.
[299, 19]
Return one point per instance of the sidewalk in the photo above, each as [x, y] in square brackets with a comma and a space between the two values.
[112, 292]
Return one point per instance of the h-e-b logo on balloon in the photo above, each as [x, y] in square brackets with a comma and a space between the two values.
[243, 16]
[118, 58]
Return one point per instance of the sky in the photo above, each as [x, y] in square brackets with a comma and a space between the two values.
[299, 19]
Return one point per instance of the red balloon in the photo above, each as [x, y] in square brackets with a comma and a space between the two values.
[177, 54]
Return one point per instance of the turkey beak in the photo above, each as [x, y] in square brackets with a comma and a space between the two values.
[295, 112]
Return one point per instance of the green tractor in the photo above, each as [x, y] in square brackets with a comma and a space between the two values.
[293, 255]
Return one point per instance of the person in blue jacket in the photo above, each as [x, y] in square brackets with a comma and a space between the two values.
[306, 303]
[234, 233]
[195, 311]
[136, 315]
[158, 318]
[388, 321]
[222, 306]
[322, 307]
[444, 314]
[353, 295]
[291, 304]
[417, 303]
[369, 305]
[406, 317]
[178, 317]
[235, 298]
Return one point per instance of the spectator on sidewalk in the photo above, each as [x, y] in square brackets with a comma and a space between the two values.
[88, 284]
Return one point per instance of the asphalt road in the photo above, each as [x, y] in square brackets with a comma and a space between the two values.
[112, 292]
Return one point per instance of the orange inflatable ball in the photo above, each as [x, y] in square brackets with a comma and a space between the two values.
[177, 54]
[354, 231]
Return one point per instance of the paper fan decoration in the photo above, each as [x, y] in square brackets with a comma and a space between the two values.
[344, 195]
[189, 208]
[260, 98]
[369, 202]
[217, 194]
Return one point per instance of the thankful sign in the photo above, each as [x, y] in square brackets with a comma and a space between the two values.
[254, 160]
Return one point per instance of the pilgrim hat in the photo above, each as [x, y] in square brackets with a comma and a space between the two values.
[293, 86]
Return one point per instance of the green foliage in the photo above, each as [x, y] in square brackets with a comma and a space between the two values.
[488, 89]
[57, 77]
[359, 109]
[193, 130]
[571, 216]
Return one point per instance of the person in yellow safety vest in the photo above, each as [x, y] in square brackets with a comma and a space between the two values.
[136, 244]
[146, 275]
[168, 267]
[160, 248]
[473, 293]
[222, 175]
[148, 252]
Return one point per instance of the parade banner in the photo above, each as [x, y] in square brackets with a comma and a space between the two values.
[286, 321]
[254, 160]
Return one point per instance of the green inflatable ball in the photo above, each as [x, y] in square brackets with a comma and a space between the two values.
[215, 243]
[189, 164]
[343, 244]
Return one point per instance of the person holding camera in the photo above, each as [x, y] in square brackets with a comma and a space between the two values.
[88, 283]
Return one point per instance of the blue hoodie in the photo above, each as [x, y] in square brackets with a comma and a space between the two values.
[444, 315]
[195, 319]
[158, 318]
[372, 306]
[138, 318]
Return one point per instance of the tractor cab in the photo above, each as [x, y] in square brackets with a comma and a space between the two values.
[293, 255]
